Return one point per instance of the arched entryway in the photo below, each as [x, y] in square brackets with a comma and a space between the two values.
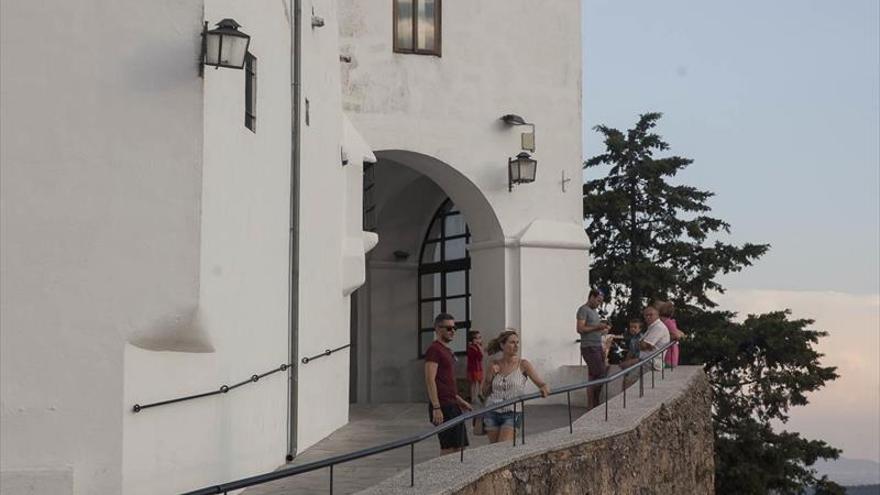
[427, 215]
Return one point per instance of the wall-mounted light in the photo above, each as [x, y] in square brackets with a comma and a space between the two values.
[527, 138]
[521, 170]
[225, 45]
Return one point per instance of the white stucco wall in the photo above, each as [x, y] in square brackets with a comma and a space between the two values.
[330, 220]
[243, 288]
[101, 175]
[448, 107]
[145, 229]
[531, 271]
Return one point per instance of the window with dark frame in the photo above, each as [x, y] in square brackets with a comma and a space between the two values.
[444, 277]
[417, 26]
[369, 206]
[250, 92]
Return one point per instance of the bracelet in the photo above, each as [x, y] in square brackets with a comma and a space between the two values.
[434, 408]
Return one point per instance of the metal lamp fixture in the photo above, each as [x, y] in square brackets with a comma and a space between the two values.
[521, 170]
[527, 138]
[225, 45]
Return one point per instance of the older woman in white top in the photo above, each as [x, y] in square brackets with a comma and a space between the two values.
[656, 334]
[506, 380]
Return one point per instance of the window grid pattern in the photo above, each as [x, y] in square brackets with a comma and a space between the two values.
[369, 204]
[444, 277]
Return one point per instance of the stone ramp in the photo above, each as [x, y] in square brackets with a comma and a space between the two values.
[668, 433]
[372, 425]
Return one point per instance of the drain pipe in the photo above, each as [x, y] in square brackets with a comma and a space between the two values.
[293, 313]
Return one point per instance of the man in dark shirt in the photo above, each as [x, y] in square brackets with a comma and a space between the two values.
[445, 403]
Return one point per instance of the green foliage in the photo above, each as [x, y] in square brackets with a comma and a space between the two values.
[826, 487]
[654, 240]
[758, 370]
[651, 238]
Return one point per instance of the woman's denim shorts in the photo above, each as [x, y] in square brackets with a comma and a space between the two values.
[494, 420]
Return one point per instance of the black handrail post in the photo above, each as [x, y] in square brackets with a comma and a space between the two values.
[623, 386]
[570, 427]
[331, 479]
[514, 425]
[461, 440]
[642, 380]
[663, 365]
[652, 373]
[606, 403]
[412, 464]
[522, 427]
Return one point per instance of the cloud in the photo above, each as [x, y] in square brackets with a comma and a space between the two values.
[846, 413]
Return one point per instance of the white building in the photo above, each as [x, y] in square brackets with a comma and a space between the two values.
[154, 246]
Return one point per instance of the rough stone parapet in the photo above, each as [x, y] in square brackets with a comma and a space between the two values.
[660, 443]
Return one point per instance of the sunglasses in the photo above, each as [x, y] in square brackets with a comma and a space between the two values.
[450, 328]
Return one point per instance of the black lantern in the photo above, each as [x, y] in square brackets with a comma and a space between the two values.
[225, 45]
[521, 170]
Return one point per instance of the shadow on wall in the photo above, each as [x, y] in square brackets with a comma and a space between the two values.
[180, 331]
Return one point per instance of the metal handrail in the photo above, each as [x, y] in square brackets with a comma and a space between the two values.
[411, 441]
[222, 390]
[226, 388]
[306, 360]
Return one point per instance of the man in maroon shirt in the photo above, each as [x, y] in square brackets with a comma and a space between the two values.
[445, 403]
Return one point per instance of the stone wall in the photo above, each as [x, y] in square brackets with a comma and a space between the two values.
[660, 443]
[670, 452]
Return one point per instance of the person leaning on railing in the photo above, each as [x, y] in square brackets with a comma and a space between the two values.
[667, 313]
[506, 380]
[656, 334]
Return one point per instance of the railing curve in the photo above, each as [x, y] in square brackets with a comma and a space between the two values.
[412, 440]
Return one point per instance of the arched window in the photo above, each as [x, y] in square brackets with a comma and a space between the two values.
[444, 276]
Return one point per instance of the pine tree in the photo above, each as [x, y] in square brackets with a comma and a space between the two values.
[654, 240]
[649, 236]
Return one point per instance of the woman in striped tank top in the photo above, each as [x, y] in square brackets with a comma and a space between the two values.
[506, 380]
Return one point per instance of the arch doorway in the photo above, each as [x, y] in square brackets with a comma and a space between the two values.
[427, 216]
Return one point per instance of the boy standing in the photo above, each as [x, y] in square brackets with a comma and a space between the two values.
[632, 342]
[475, 363]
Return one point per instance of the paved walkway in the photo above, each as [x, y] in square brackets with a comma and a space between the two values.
[372, 425]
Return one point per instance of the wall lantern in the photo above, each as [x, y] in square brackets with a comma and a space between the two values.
[225, 45]
[521, 170]
[527, 138]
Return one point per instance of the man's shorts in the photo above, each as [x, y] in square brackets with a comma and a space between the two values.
[494, 420]
[595, 359]
[455, 437]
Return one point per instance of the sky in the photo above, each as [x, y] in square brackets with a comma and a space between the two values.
[778, 103]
